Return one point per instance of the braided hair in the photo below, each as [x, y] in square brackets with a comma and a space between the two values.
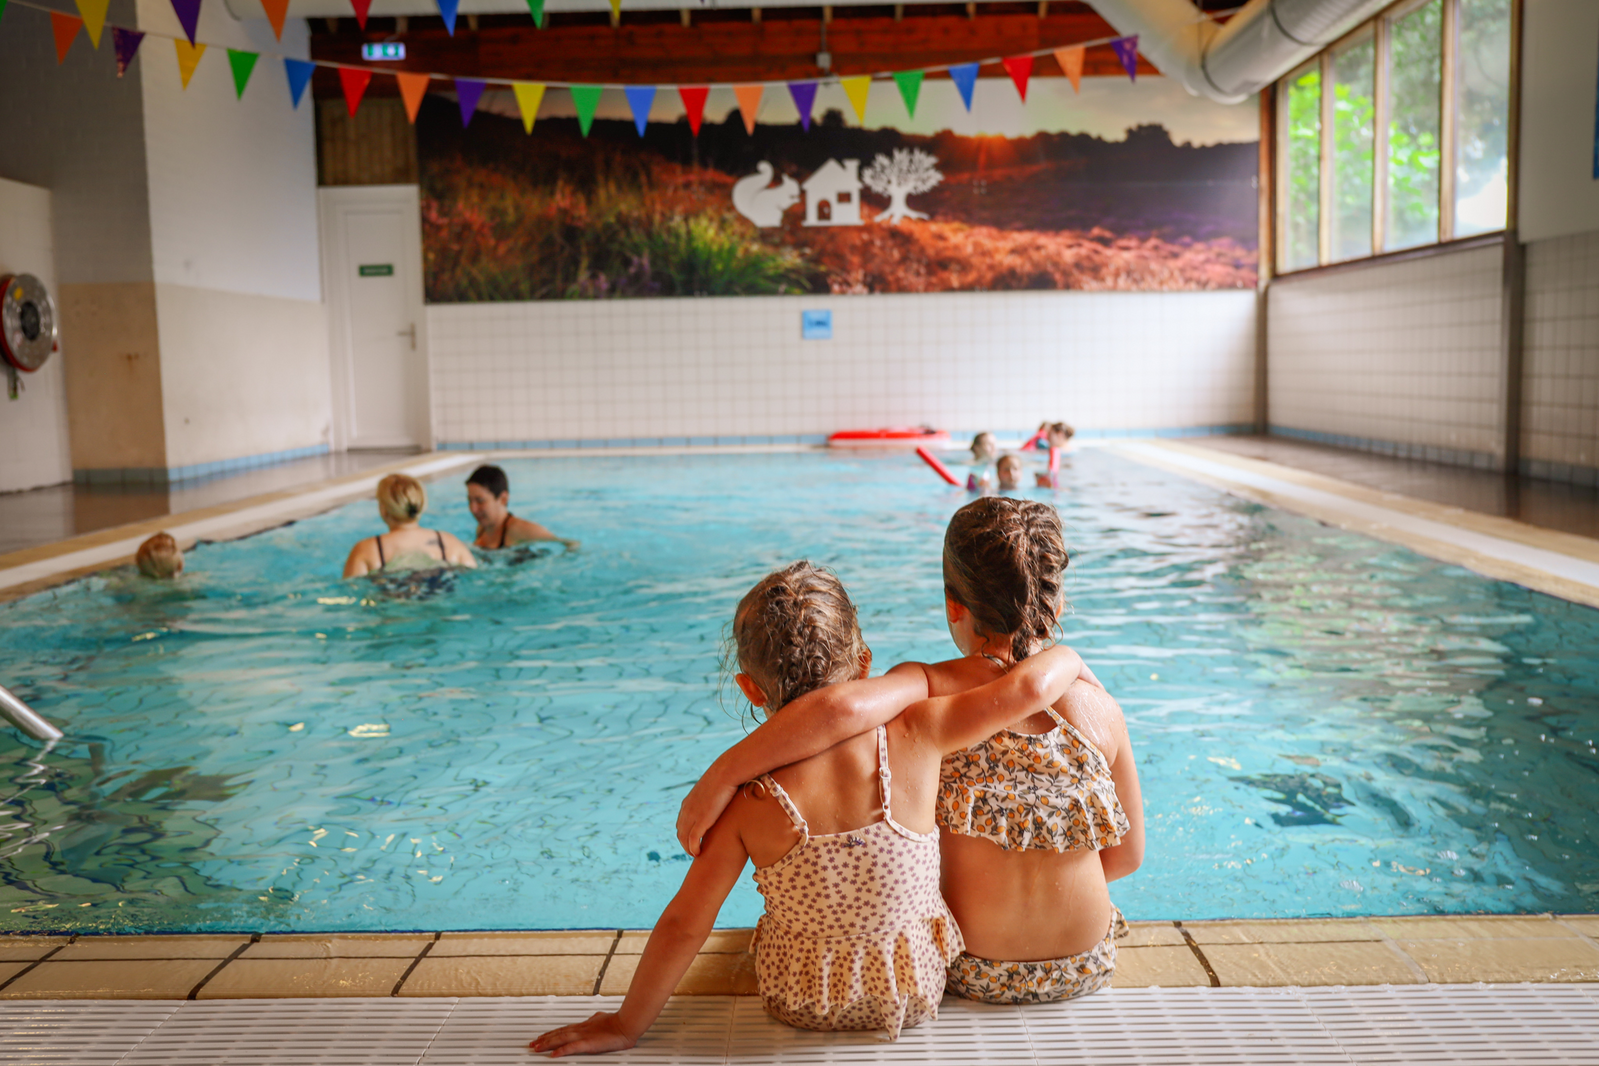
[1004, 560]
[797, 631]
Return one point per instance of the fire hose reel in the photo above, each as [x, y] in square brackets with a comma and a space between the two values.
[28, 328]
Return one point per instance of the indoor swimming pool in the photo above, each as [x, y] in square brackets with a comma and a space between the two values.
[1325, 724]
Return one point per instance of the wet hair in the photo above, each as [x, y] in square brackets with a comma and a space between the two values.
[978, 440]
[1010, 458]
[1003, 561]
[797, 631]
[159, 557]
[401, 498]
[1063, 429]
[491, 478]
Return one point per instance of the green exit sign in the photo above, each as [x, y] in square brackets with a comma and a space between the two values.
[383, 50]
[376, 270]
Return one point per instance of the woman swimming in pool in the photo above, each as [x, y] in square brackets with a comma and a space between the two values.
[406, 546]
[488, 497]
[1035, 820]
[855, 934]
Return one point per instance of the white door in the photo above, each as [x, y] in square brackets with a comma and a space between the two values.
[372, 262]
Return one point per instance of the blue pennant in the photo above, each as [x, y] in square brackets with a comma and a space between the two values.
[964, 77]
[299, 72]
[639, 99]
[447, 9]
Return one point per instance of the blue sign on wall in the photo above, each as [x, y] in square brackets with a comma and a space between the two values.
[816, 325]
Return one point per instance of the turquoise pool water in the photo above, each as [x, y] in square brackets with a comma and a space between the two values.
[1325, 725]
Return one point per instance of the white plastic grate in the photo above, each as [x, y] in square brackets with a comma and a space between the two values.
[305, 1032]
[691, 1031]
[91, 1033]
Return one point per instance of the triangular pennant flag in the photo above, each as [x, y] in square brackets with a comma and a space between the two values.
[93, 12]
[1071, 64]
[412, 88]
[857, 89]
[276, 12]
[1127, 51]
[616, 11]
[536, 9]
[910, 87]
[1020, 68]
[242, 63]
[639, 100]
[694, 103]
[65, 27]
[354, 83]
[804, 94]
[447, 10]
[126, 42]
[529, 94]
[188, 12]
[299, 72]
[188, 58]
[2, 9]
[468, 91]
[965, 78]
[749, 102]
[585, 98]
[361, 8]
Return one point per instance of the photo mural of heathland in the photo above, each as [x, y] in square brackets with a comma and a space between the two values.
[552, 215]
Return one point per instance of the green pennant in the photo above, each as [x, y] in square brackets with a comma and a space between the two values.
[243, 63]
[2, 9]
[910, 87]
[586, 98]
[536, 9]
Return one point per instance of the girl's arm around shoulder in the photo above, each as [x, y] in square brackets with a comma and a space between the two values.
[951, 723]
[362, 558]
[807, 726]
[458, 554]
[1095, 714]
[675, 940]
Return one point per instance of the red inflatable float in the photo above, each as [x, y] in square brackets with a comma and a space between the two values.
[893, 437]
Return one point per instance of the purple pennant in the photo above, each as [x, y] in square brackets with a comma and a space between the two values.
[1127, 51]
[126, 43]
[447, 10]
[470, 91]
[188, 12]
[804, 94]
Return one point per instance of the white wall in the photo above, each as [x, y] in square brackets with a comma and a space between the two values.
[1560, 69]
[34, 448]
[1560, 413]
[706, 367]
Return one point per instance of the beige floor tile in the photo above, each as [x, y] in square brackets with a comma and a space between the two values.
[151, 947]
[1490, 927]
[299, 946]
[1587, 924]
[1466, 961]
[505, 975]
[558, 943]
[28, 948]
[1310, 931]
[722, 974]
[8, 970]
[1162, 965]
[1152, 934]
[279, 978]
[1358, 963]
[110, 979]
[720, 942]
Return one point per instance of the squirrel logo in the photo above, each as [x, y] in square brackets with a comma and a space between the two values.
[762, 203]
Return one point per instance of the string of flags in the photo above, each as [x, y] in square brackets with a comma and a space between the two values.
[354, 79]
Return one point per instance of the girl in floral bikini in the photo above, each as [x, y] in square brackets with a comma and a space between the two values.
[1036, 819]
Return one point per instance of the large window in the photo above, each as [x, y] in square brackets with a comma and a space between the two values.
[1396, 136]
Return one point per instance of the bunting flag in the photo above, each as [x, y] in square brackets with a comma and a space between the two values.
[299, 72]
[857, 89]
[1020, 68]
[243, 65]
[586, 98]
[412, 88]
[188, 12]
[910, 87]
[65, 27]
[694, 103]
[536, 9]
[126, 42]
[804, 94]
[188, 58]
[361, 8]
[354, 83]
[468, 92]
[965, 79]
[749, 102]
[276, 11]
[1127, 51]
[616, 11]
[93, 12]
[640, 98]
[2, 9]
[1071, 65]
[529, 94]
[447, 10]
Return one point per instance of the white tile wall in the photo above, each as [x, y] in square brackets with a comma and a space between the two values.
[1560, 411]
[1406, 353]
[598, 370]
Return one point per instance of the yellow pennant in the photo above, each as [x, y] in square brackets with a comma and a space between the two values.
[856, 89]
[188, 58]
[616, 10]
[93, 12]
[528, 96]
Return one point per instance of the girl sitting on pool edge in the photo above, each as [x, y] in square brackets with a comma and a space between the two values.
[488, 497]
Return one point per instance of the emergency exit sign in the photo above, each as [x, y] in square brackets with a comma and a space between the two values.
[383, 50]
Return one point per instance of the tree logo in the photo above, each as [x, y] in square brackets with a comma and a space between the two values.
[908, 172]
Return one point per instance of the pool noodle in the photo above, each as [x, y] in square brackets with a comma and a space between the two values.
[938, 467]
[1054, 460]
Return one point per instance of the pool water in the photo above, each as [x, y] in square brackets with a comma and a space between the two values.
[1324, 724]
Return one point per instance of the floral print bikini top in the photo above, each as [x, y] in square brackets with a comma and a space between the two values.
[1032, 792]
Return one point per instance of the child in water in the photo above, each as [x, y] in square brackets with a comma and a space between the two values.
[1009, 469]
[984, 449]
[868, 841]
[1035, 820]
[159, 557]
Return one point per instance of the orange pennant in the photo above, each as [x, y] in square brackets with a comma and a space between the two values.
[1071, 65]
[276, 12]
[412, 88]
[188, 58]
[749, 102]
[66, 29]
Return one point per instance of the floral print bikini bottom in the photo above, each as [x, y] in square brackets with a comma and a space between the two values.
[1046, 981]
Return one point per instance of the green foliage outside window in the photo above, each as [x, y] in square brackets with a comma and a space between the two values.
[1303, 137]
[1354, 114]
[1415, 72]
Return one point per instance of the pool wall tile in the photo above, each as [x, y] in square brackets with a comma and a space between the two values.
[453, 945]
[505, 975]
[1284, 932]
[27, 949]
[1541, 959]
[722, 941]
[1586, 924]
[110, 979]
[151, 947]
[246, 978]
[1152, 934]
[1483, 927]
[312, 946]
[8, 970]
[725, 974]
[1163, 966]
[1350, 963]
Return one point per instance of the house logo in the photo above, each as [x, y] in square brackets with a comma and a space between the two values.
[833, 194]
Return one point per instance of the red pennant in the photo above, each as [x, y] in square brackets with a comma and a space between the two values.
[276, 12]
[361, 8]
[1020, 68]
[355, 83]
[66, 29]
[694, 102]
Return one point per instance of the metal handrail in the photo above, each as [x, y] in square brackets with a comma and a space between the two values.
[25, 718]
